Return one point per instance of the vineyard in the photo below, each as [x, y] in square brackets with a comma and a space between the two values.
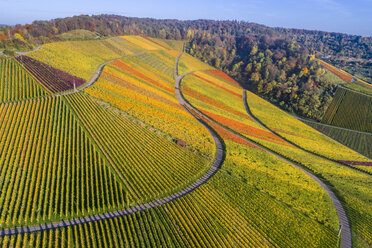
[148, 172]
[350, 109]
[50, 167]
[208, 216]
[142, 86]
[358, 141]
[204, 96]
[359, 86]
[71, 151]
[84, 57]
[16, 83]
[54, 80]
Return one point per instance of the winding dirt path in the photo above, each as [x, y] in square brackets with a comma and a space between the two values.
[65, 223]
[346, 238]
[346, 233]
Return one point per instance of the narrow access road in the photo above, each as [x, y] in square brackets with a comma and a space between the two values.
[24, 53]
[65, 223]
[98, 72]
[346, 239]
[91, 81]
[263, 125]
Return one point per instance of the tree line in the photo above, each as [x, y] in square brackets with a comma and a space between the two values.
[276, 63]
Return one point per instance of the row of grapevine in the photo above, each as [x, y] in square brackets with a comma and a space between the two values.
[82, 58]
[358, 141]
[151, 165]
[146, 92]
[222, 104]
[16, 84]
[53, 79]
[351, 110]
[50, 169]
[359, 86]
[222, 213]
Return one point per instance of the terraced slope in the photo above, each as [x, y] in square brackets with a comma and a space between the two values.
[219, 213]
[254, 199]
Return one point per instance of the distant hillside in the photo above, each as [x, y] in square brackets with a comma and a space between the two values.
[273, 62]
[324, 42]
[79, 34]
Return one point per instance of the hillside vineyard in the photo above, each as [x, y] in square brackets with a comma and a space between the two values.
[130, 142]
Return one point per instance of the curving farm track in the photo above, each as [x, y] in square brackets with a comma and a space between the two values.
[346, 239]
[346, 233]
[218, 161]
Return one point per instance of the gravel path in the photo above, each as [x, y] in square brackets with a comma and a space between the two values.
[346, 239]
[24, 53]
[141, 207]
[346, 232]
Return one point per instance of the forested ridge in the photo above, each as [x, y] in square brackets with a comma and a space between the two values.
[273, 62]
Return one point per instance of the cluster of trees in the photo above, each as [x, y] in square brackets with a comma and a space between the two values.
[278, 69]
[271, 61]
[46, 31]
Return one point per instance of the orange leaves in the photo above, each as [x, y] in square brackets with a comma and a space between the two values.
[124, 67]
[246, 129]
[227, 135]
[224, 76]
[214, 84]
[341, 74]
[192, 93]
[157, 43]
[223, 132]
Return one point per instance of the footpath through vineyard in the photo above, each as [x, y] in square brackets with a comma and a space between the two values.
[346, 239]
[346, 234]
[65, 223]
